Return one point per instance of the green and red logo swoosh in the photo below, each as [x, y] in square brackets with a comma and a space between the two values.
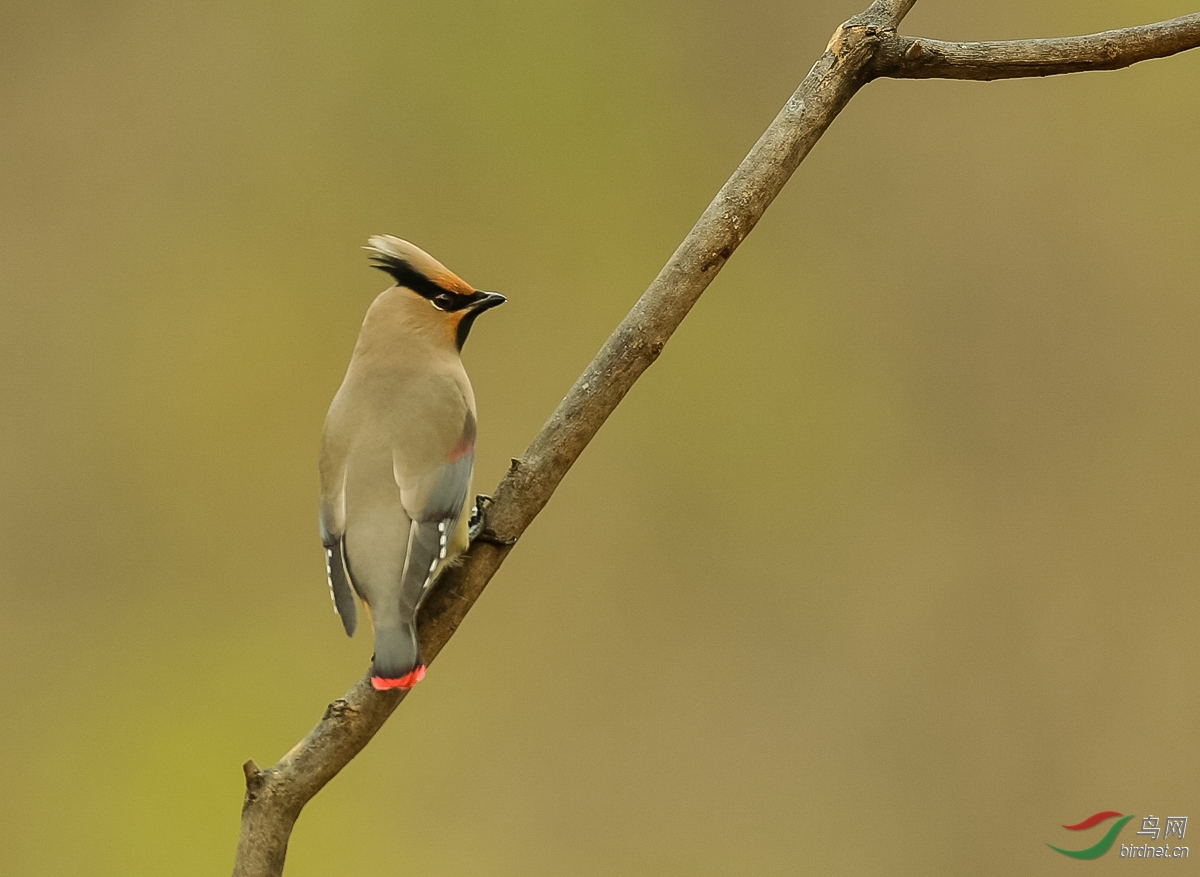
[1100, 847]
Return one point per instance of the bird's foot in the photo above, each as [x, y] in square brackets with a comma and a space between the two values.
[478, 529]
[476, 523]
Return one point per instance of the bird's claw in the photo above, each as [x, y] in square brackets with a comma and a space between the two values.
[476, 521]
[477, 528]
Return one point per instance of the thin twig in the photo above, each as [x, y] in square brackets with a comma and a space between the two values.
[859, 51]
[902, 57]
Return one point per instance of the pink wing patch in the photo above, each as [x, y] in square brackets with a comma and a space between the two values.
[466, 442]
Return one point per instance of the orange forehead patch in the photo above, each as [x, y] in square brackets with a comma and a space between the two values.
[447, 279]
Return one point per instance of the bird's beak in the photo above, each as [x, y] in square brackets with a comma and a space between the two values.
[487, 300]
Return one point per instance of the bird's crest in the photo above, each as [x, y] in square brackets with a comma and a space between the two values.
[414, 268]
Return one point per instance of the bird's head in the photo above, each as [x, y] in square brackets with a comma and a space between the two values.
[454, 302]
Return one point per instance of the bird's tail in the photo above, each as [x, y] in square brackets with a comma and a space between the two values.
[397, 662]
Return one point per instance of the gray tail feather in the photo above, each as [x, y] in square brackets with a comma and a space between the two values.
[396, 651]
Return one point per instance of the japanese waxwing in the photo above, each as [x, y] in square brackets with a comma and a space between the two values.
[397, 454]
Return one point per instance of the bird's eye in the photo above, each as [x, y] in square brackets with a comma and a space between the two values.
[444, 302]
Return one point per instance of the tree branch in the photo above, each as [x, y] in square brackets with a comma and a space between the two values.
[864, 47]
[901, 57]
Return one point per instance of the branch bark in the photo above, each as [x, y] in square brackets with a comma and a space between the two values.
[864, 47]
[902, 57]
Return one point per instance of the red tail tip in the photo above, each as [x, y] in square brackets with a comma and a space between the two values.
[405, 682]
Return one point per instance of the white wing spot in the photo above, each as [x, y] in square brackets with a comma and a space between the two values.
[329, 577]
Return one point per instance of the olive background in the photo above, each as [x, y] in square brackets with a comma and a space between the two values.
[887, 566]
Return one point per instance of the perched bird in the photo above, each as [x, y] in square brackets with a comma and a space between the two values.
[397, 453]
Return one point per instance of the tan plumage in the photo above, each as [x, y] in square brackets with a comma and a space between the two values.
[397, 453]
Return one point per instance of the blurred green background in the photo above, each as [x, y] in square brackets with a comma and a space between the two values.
[888, 566]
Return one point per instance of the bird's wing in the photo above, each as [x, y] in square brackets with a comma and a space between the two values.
[339, 584]
[333, 537]
[434, 501]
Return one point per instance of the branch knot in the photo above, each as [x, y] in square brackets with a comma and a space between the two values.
[255, 778]
[339, 709]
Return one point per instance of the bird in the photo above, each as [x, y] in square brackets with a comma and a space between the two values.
[397, 454]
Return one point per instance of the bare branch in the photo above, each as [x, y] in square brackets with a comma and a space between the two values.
[902, 57]
[864, 47]
[275, 796]
[882, 14]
